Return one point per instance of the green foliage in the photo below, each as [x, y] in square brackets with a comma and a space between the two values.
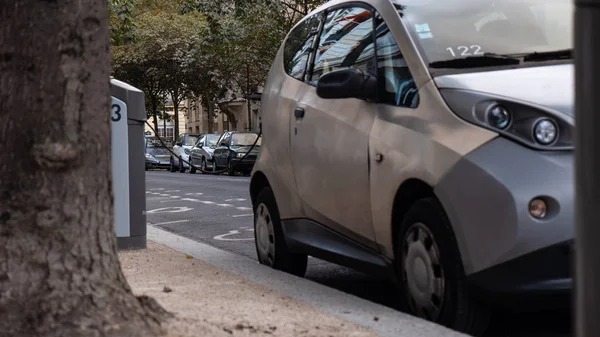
[198, 47]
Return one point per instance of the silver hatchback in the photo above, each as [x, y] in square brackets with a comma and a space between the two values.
[427, 141]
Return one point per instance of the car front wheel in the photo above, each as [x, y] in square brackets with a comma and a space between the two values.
[431, 271]
[269, 239]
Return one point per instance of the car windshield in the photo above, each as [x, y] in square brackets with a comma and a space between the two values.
[191, 140]
[155, 142]
[450, 32]
[212, 139]
[245, 139]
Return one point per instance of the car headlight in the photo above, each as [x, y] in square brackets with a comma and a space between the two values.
[537, 127]
[498, 116]
[240, 155]
[545, 132]
[187, 151]
[149, 156]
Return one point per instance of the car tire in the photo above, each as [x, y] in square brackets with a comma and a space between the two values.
[192, 167]
[271, 248]
[427, 242]
[203, 168]
[172, 167]
[230, 170]
[181, 167]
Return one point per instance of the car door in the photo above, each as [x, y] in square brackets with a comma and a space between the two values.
[178, 148]
[221, 153]
[196, 151]
[330, 137]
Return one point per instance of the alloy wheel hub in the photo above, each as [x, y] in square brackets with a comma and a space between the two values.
[423, 274]
[265, 237]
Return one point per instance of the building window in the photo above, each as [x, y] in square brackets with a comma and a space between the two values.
[170, 132]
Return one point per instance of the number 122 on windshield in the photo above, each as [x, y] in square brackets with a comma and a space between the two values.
[465, 50]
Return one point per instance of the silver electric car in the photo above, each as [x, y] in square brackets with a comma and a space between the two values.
[428, 141]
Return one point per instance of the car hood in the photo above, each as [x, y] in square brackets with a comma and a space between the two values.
[244, 149]
[550, 86]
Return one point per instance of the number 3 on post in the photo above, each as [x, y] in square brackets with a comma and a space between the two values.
[116, 113]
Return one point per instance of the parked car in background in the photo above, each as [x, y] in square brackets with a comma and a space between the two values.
[182, 148]
[157, 155]
[232, 147]
[429, 142]
[201, 154]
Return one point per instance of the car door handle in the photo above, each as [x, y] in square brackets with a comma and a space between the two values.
[299, 113]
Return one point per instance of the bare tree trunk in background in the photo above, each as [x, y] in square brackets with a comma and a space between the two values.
[209, 113]
[59, 269]
[155, 113]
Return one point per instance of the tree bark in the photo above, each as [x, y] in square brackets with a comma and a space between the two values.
[59, 269]
[209, 114]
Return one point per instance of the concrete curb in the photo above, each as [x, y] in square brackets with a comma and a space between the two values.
[391, 323]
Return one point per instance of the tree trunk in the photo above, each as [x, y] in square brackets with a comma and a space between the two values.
[176, 117]
[209, 114]
[248, 104]
[154, 114]
[60, 273]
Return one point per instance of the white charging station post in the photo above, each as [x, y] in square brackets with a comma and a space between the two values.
[128, 115]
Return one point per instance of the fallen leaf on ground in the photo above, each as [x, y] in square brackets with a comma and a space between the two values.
[167, 289]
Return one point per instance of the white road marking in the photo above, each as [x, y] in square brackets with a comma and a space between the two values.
[244, 208]
[170, 200]
[168, 223]
[241, 215]
[207, 202]
[237, 199]
[174, 197]
[224, 205]
[157, 189]
[223, 237]
[194, 193]
[172, 191]
[170, 210]
[164, 195]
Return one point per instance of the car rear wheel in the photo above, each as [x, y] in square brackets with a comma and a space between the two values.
[203, 166]
[172, 167]
[270, 242]
[192, 167]
[432, 274]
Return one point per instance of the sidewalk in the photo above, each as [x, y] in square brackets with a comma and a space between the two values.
[212, 302]
[217, 293]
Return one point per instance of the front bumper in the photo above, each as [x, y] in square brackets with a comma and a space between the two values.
[542, 279]
[505, 250]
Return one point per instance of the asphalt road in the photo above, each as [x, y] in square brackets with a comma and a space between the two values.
[217, 210]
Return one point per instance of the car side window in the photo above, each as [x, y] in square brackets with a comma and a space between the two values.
[346, 41]
[298, 47]
[396, 84]
[180, 140]
[225, 140]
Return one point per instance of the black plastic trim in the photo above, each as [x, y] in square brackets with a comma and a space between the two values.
[311, 238]
[545, 273]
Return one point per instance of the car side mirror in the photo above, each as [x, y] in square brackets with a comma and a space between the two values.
[347, 83]
[178, 144]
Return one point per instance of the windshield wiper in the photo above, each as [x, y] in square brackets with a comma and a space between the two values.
[563, 54]
[485, 60]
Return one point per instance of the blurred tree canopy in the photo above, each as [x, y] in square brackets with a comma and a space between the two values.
[199, 48]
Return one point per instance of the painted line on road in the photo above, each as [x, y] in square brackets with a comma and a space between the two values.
[197, 193]
[236, 199]
[241, 215]
[172, 191]
[244, 208]
[168, 222]
[170, 210]
[224, 205]
[171, 200]
[224, 237]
